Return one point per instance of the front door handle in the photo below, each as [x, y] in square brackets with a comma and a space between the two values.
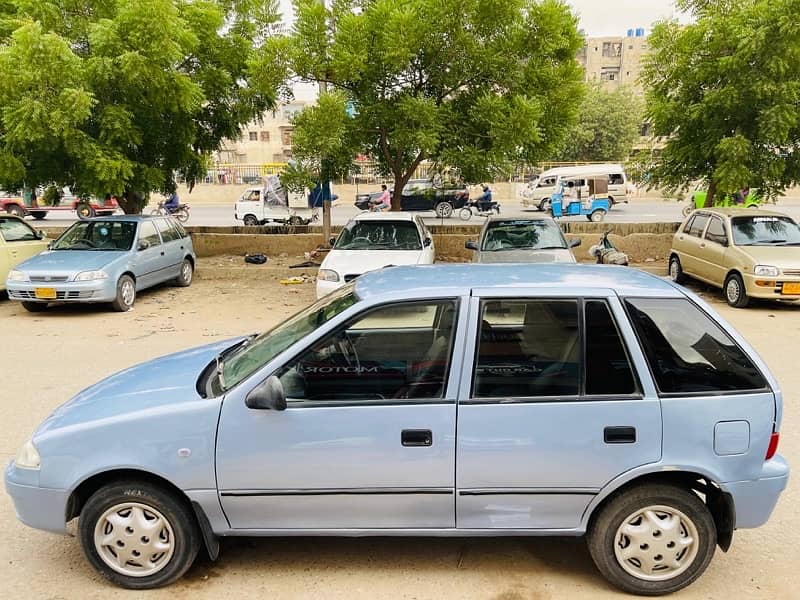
[619, 435]
[416, 437]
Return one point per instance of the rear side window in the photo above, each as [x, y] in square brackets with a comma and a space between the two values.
[168, 234]
[687, 351]
[608, 370]
[148, 233]
[697, 225]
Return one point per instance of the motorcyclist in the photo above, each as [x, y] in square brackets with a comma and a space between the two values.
[485, 199]
[172, 202]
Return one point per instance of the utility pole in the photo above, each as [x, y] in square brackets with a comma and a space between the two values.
[325, 185]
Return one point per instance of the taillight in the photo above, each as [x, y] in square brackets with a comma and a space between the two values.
[773, 445]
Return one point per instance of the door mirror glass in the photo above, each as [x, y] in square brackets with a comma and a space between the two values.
[471, 245]
[574, 243]
[267, 395]
[143, 245]
[428, 241]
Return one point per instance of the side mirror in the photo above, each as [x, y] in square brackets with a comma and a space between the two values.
[41, 234]
[574, 243]
[332, 241]
[143, 245]
[427, 242]
[471, 245]
[267, 395]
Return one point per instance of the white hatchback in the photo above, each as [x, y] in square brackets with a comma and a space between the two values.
[372, 241]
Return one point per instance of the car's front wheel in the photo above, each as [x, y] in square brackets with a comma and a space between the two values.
[444, 210]
[126, 294]
[735, 292]
[138, 535]
[250, 221]
[653, 539]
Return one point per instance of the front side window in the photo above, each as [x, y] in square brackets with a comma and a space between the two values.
[716, 232]
[379, 235]
[98, 235]
[516, 235]
[396, 352]
[687, 351]
[767, 230]
[547, 182]
[148, 233]
[13, 230]
[527, 348]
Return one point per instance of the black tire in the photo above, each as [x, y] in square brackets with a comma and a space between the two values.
[39, 214]
[465, 214]
[544, 204]
[597, 216]
[16, 210]
[250, 221]
[187, 274]
[675, 270]
[126, 294]
[35, 307]
[180, 531]
[85, 211]
[443, 210]
[603, 539]
[735, 292]
[182, 215]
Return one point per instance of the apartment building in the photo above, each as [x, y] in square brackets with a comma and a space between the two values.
[266, 140]
[614, 61]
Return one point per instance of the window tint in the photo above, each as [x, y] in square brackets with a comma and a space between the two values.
[716, 231]
[527, 348]
[689, 223]
[379, 235]
[765, 230]
[698, 224]
[547, 182]
[97, 235]
[13, 230]
[179, 228]
[148, 233]
[168, 234]
[522, 234]
[608, 370]
[687, 351]
[400, 351]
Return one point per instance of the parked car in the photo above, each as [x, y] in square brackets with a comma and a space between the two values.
[106, 259]
[747, 253]
[538, 192]
[18, 242]
[372, 241]
[536, 239]
[448, 400]
[424, 194]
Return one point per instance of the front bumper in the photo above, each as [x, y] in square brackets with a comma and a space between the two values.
[103, 290]
[326, 287]
[774, 288]
[37, 507]
[755, 500]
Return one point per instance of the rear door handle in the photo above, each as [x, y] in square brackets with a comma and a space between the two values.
[619, 435]
[416, 437]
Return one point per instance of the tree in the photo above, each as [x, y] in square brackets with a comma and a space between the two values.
[117, 97]
[724, 93]
[471, 85]
[607, 128]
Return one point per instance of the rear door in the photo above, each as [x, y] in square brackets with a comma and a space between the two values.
[173, 254]
[550, 408]
[687, 243]
[150, 262]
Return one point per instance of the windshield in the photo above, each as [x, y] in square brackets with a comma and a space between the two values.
[515, 235]
[13, 230]
[250, 357]
[768, 230]
[97, 235]
[379, 235]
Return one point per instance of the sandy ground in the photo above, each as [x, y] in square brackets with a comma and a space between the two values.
[48, 357]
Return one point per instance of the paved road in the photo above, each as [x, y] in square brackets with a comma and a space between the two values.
[637, 211]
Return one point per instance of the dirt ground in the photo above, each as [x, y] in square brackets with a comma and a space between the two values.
[49, 357]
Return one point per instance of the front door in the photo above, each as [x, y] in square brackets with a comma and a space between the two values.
[173, 251]
[368, 438]
[713, 247]
[550, 411]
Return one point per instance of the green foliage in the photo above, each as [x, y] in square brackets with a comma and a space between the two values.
[607, 128]
[471, 85]
[724, 92]
[115, 96]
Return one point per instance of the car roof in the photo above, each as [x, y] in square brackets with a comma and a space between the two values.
[384, 216]
[461, 278]
[583, 170]
[525, 219]
[127, 218]
[741, 212]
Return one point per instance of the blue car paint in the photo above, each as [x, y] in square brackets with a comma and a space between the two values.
[265, 472]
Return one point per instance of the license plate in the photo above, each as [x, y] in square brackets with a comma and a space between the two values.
[791, 288]
[45, 293]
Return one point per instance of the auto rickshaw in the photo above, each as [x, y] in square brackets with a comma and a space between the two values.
[594, 207]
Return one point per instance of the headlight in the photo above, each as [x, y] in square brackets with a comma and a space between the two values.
[91, 276]
[28, 456]
[327, 275]
[765, 271]
[17, 276]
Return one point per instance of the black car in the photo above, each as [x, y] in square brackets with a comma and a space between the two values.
[424, 194]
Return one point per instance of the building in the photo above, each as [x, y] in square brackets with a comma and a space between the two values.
[266, 140]
[615, 61]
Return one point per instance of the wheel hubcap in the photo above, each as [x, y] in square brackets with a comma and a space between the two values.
[656, 543]
[134, 539]
[733, 291]
[673, 270]
[187, 272]
[128, 292]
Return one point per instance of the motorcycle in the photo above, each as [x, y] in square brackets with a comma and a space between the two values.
[181, 212]
[606, 253]
[482, 209]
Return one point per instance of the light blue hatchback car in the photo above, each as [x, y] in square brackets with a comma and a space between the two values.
[453, 400]
[105, 260]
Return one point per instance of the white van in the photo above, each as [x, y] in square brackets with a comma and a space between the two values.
[537, 193]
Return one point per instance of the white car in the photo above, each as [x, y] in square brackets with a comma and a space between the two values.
[372, 241]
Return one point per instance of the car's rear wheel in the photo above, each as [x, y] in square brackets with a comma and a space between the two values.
[187, 274]
[126, 294]
[675, 270]
[444, 210]
[34, 306]
[735, 292]
[85, 211]
[250, 221]
[465, 214]
[653, 539]
[138, 535]
[15, 210]
[597, 216]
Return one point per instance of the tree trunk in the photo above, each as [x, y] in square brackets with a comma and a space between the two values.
[710, 195]
[400, 181]
[132, 202]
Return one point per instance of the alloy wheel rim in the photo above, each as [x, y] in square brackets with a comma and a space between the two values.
[656, 543]
[673, 270]
[733, 291]
[127, 292]
[134, 539]
[187, 272]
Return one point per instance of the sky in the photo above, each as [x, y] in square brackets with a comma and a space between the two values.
[615, 17]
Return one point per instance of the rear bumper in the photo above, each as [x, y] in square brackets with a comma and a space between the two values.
[37, 507]
[755, 500]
